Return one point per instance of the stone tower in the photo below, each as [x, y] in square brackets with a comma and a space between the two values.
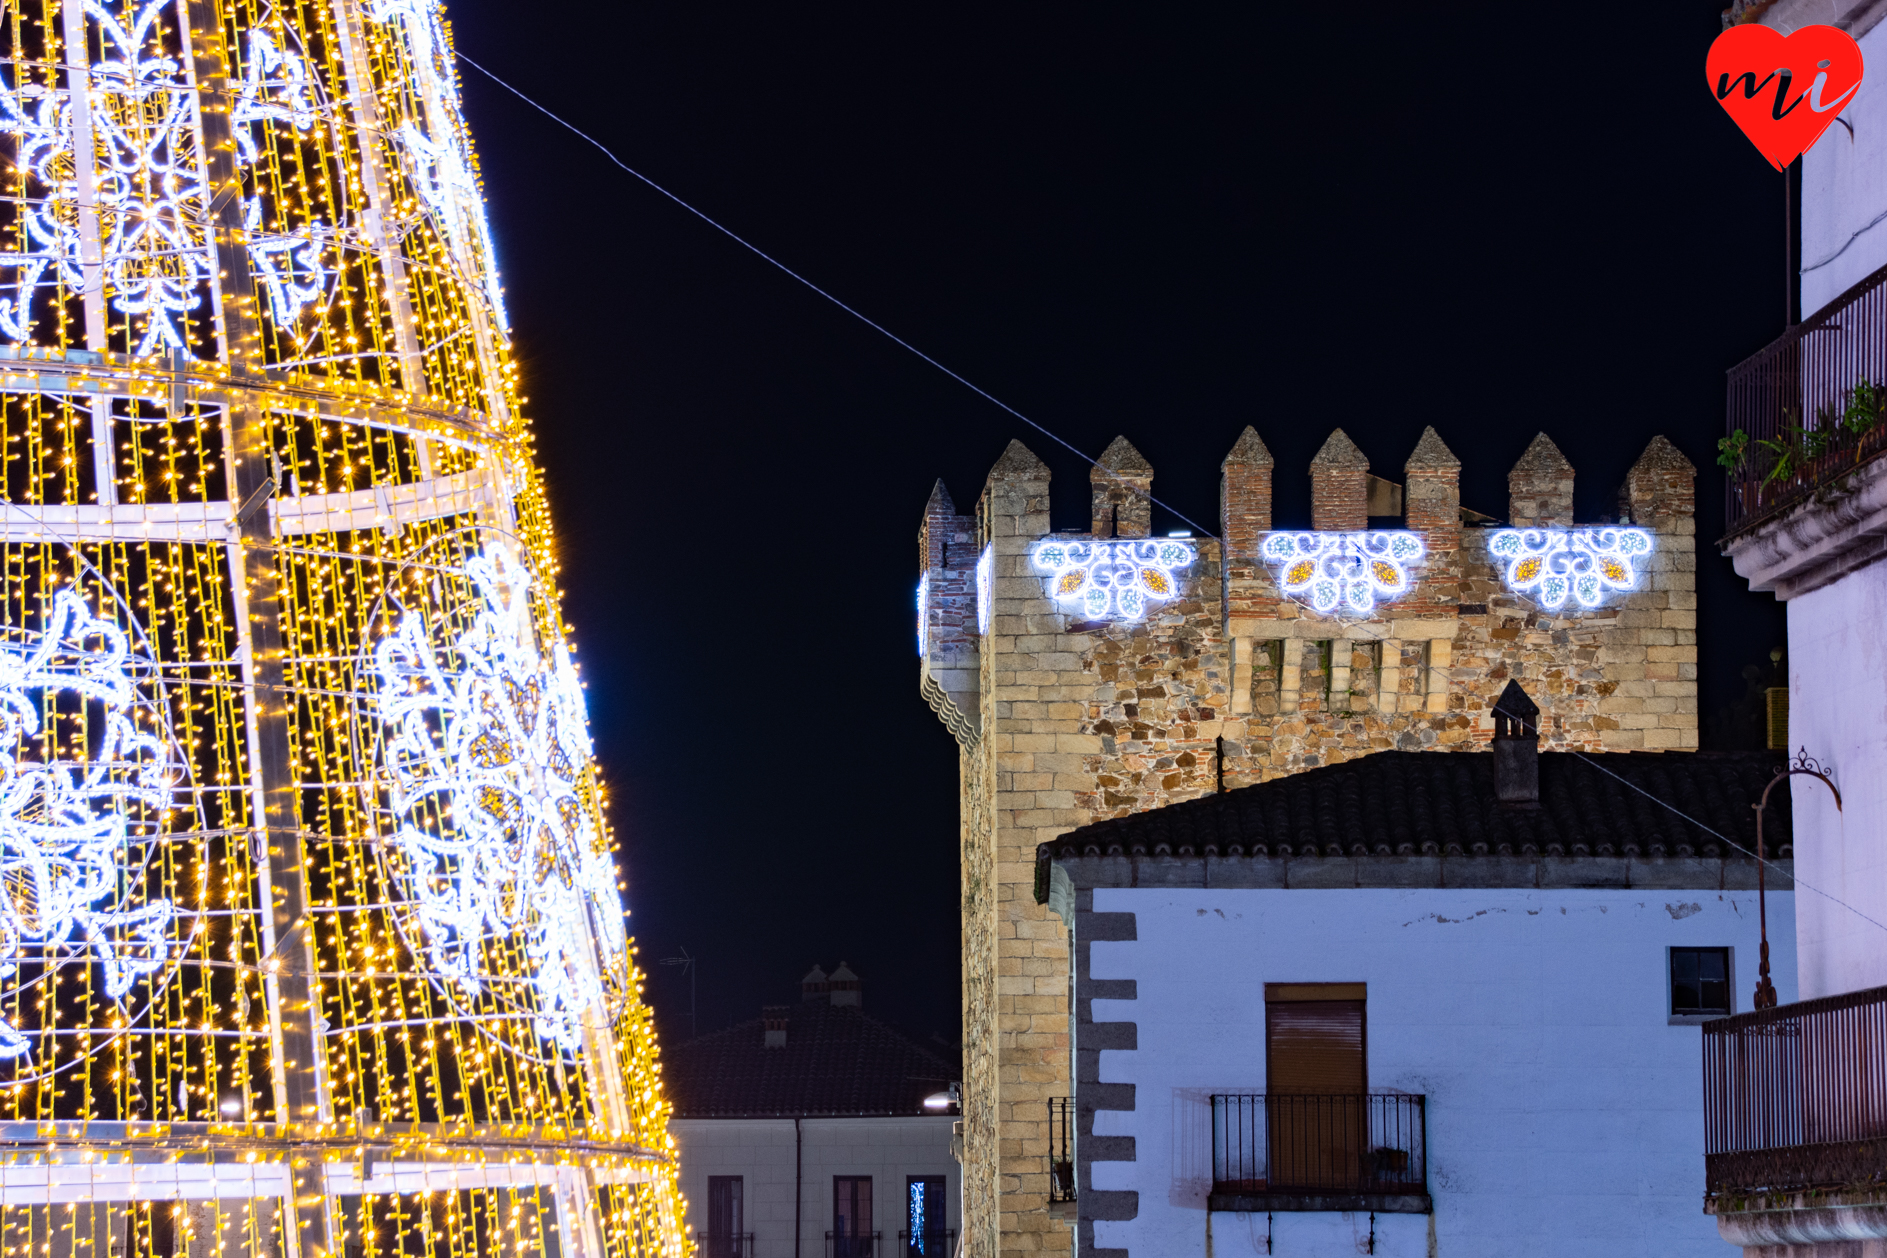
[1068, 708]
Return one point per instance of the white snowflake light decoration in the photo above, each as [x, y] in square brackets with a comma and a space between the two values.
[1344, 573]
[486, 764]
[151, 195]
[436, 156]
[1551, 566]
[66, 825]
[1113, 579]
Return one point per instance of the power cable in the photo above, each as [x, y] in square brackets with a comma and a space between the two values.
[1789, 873]
[989, 397]
[867, 321]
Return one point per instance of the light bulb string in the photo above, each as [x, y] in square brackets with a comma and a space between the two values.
[869, 322]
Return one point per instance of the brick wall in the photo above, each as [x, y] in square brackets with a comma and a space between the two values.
[1062, 728]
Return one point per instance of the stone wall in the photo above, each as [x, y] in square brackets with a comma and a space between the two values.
[1065, 722]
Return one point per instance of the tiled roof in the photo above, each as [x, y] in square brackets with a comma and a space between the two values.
[1401, 803]
[837, 1060]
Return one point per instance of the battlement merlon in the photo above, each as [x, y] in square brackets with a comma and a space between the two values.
[948, 639]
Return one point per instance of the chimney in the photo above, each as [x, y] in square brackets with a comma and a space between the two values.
[774, 1016]
[845, 987]
[814, 986]
[1517, 748]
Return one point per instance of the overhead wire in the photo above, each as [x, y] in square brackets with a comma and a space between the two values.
[742, 241]
[1787, 873]
[1055, 437]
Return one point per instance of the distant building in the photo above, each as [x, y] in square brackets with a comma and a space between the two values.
[1795, 1156]
[1412, 1003]
[804, 1133]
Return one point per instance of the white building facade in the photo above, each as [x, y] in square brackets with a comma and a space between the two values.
[1498, 1001]
[798, 1174]
[1798, 1140]
[816, 1131]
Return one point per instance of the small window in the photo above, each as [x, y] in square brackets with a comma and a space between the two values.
[1700, 982]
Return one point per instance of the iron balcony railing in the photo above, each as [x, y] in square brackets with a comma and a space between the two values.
[853, 1244]
[1313, 1145]
[1061, 1148]
[1796, 1096]
[935, 1243]
[1807, 408]
[724, 1244]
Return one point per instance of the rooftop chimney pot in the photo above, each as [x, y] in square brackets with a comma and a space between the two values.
[775, 1018]
[845, 987]
[1517, 748]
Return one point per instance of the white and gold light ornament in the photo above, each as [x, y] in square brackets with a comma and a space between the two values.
[1113, 579]
[1344, 573]
[79, 806]
[1584, 566]
[485, 765]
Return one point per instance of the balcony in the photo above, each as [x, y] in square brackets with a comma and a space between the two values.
[1795, 1098]
[1061, 1150]
[1293, 1152]
[853, 1244]
[936, 1243]
[1808, 408]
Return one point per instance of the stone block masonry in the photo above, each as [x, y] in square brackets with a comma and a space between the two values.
[1062, 721]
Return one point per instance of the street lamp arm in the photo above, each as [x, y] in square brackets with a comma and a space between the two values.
[1804, 765]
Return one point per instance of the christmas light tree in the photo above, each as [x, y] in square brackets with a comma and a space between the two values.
[311, 939]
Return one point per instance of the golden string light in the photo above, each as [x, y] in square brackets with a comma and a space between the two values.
[310, 940]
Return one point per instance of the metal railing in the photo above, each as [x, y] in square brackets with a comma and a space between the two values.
[1796, 1096]
[1808, 407]
[724, 1244]
[853, 1244]
[930, 1243]
[1061, 1148]
[1290, 1143]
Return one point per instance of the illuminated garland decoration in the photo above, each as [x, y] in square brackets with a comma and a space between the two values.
[985, 588]
[65, 826]
[498, 735]
[1551, 566]
[435, 153]
[1113, 578]
[1344, 573]
[277, 88]
[923, 614]
[308, 850]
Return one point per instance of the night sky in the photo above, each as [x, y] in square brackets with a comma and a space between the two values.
[1163, 221]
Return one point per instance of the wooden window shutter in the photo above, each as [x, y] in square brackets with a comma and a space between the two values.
[1314, 1038]
[1316, 1107]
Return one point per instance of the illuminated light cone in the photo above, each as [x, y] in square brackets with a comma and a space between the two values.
[311, 939]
